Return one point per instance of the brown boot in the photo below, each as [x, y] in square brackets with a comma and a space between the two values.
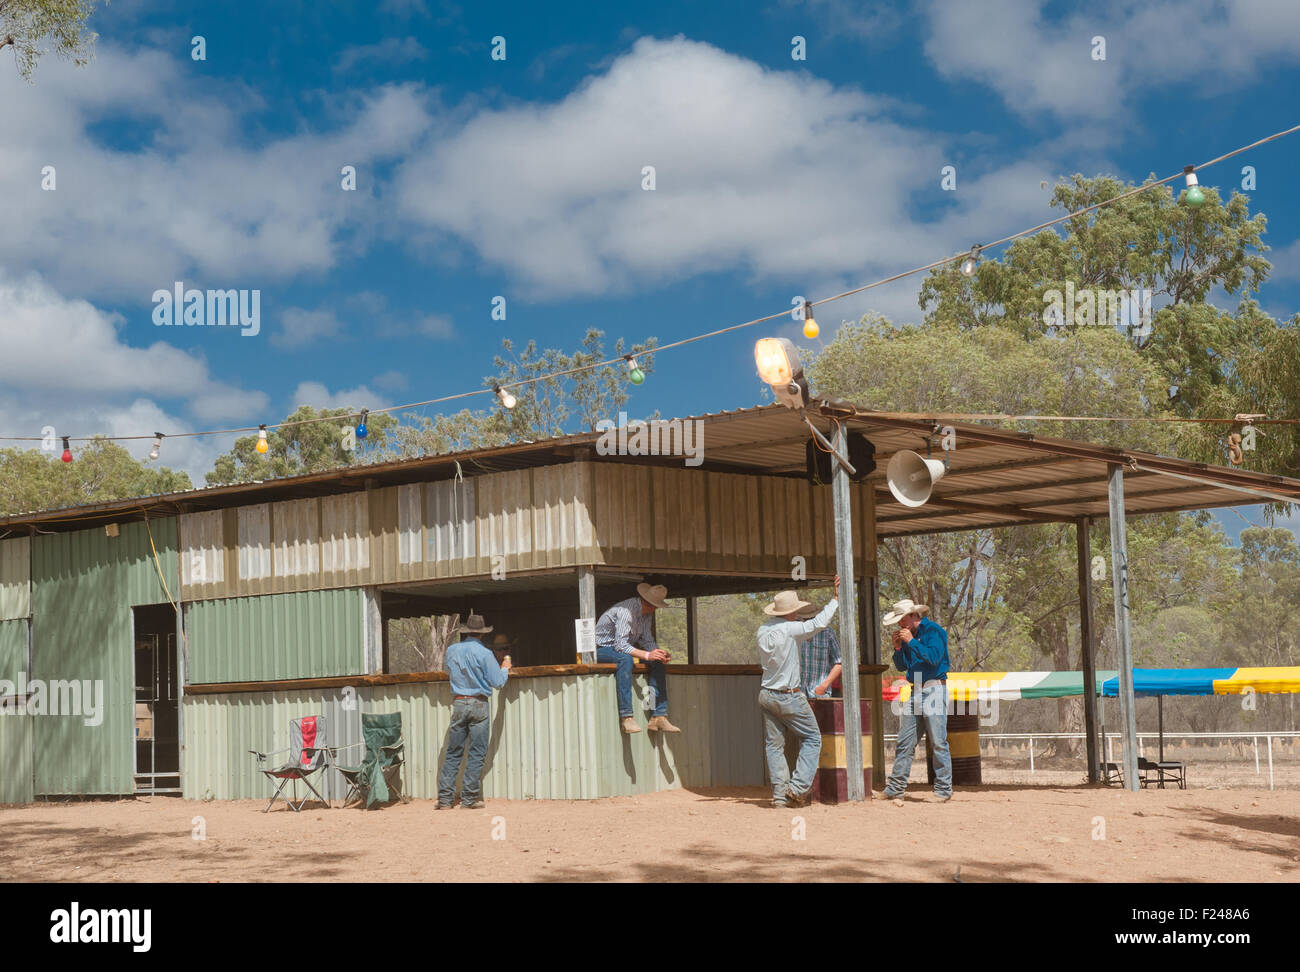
[661, 724]
[630, 726]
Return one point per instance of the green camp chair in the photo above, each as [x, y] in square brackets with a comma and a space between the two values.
[385, 756]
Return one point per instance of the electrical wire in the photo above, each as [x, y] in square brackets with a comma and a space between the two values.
[1137, 190]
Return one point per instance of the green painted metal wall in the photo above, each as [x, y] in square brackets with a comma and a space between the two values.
[15, 578]
[552, 738]
[13, 650]
[15, 758]
[84, 585]
[276, 636]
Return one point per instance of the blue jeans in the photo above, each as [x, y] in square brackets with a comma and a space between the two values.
[469, 720]
[623, 680]
[934, 710]
[782, 711]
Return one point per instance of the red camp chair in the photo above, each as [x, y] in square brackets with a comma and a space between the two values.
[307, 756]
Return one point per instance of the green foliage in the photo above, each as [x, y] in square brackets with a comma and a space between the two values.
[101, 471]
[36, 27]
[423, 435]
[298, 449]
[1093, 371]
[1147, 241]
[546, 406]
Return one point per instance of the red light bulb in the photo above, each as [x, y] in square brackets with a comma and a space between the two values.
[67, 450]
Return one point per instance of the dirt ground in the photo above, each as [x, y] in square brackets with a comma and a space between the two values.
[992, 833]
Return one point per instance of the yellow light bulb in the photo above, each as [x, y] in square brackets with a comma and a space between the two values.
[262, 444]
[810, 329]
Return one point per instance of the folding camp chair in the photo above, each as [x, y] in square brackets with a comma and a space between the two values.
[307, 756]
[385, 756]
[1111, 773]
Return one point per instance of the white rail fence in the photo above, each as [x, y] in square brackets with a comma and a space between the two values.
[1255, 737]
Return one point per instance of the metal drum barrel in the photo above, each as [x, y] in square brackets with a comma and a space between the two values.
[831, 781]
[963, 746]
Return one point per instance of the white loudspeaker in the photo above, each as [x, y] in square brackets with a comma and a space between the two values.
[911, 477]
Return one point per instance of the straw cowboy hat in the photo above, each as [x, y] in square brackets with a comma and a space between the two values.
[811, 611]
[474, 625]
[786, 602]
[656, 595]
[902, 609]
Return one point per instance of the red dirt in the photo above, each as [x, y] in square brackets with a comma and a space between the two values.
[994, 833]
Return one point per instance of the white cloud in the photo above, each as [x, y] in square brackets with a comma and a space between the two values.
[404, 8]
[66, 365]
[1039, 63]
[299, 327]
[190, 203]
[389, 52]
[775, 173]
[1286, 262]
[315, 394]
[391, 381]
[865, 21]
[55, 345]
[397, 325]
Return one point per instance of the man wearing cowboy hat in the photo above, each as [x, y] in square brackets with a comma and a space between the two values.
[781, 697]
[921, 650]
[474, 673]
[623, 636]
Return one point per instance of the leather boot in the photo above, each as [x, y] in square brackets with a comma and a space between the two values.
[661, 724]
[630, 726]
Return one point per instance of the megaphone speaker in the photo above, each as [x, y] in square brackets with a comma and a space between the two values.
[912, 477]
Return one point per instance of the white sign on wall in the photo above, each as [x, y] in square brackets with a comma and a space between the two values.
[584, 630]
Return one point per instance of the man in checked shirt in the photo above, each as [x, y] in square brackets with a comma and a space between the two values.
[624, 636]
[820, 664]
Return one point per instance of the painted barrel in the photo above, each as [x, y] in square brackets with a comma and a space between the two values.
[831, 781]
[963, 746]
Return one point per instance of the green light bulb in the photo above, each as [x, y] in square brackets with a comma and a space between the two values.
[1194, 196]
[636, 375]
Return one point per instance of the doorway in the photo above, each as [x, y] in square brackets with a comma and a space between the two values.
[157, 739]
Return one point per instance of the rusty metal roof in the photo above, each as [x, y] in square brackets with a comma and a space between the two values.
[996, 477]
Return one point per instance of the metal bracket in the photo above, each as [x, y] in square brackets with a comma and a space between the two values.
[844, 463]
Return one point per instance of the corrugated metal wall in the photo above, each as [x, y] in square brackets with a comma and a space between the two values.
[530, 518]
[526, 519]
[310, 634]
[15, 758]
[84, 585]
[13, 649]
[552, 738]
[669, 517]
[15, 578]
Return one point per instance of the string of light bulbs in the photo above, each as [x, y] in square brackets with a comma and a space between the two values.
[1193, 196]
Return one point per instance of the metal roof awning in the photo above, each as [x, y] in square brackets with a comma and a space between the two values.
[996, 477]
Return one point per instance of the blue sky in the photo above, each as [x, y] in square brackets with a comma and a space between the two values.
[522, 178]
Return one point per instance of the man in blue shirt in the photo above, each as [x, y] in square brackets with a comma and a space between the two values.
[474, 673]
[921, 650]
[624, 634]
